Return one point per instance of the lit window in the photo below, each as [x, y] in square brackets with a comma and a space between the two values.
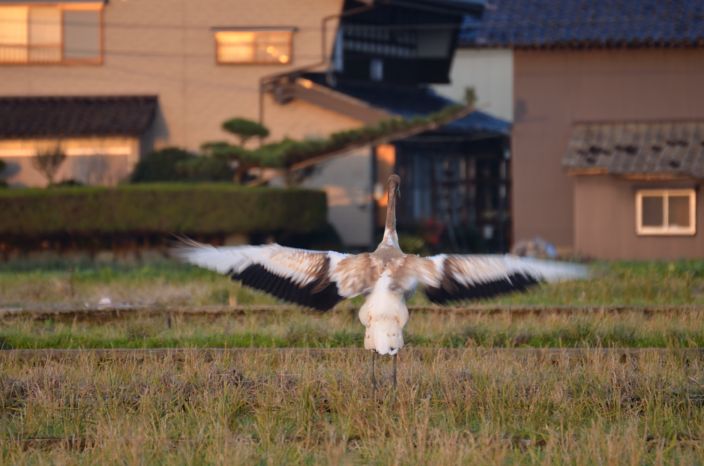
[666, 212]
[61, 33]
[258, 47]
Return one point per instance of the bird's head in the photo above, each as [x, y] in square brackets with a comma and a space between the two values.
[394, 184]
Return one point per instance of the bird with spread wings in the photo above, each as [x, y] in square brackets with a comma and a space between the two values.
[386, 277]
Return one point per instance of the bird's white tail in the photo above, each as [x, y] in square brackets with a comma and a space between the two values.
[384, 336]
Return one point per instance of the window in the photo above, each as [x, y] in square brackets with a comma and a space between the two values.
[254, 47]
[666, 212]
[51, 34]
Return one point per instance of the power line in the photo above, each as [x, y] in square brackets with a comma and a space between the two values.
[238, 27]
[546, 21]
[135, 53]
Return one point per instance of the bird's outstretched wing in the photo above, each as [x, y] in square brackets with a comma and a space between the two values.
[315, 279]
[464, 277]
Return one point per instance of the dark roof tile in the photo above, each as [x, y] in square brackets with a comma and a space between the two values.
[71, 116]
[410, 101]
[586, 23]
[638, 148]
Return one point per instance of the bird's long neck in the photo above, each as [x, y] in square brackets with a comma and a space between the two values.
[390, 236]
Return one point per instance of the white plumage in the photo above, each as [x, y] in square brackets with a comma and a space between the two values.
[384, 314]
[320, 279]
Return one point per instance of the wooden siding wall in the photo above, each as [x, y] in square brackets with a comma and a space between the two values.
[553, 89]
[605, 222]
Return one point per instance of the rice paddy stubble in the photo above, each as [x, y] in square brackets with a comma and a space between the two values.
[307, 407]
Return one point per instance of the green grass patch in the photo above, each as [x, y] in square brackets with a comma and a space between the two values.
[341, 329]
[166, 282]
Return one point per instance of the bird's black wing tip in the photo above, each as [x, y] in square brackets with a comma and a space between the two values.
[456, 291]
[311, 296]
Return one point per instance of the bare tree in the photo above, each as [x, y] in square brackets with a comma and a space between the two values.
[48, 161]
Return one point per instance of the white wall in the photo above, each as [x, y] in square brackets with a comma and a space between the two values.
[101, 160]
[347, 181]
[490, 72]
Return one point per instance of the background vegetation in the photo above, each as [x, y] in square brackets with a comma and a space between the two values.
[3, 165]
[177, 165]
[159, 208]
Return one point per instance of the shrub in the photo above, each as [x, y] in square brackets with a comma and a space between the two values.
[174, 164]
[69, 182]
[245, 129]
[3, 183]
[205, 168]
[160, 165]
[412, 244]
[288, 152]
[325, 237]
[242, 158]
[47, 162]
[162, 209]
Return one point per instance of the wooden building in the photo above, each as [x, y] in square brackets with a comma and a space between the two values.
[606, 145]
[456, 178]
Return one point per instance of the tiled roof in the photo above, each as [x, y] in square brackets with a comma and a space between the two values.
[479, 122]
[66, 116]
[462, 6]
[410, 101]
[586, 23]
[675, 148]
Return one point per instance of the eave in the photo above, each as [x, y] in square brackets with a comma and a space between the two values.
[310, 92]
[382, 140]
[597, 171]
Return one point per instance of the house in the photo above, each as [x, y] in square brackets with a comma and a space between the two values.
[455, 176]
[110, 81]
[608, 106]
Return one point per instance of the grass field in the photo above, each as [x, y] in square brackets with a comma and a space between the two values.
[341, 329]
[474, 387]
[169, 283]
[299, 407]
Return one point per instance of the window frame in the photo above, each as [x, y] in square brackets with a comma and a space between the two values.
[63, 61]
[262, 29]
[666, 229]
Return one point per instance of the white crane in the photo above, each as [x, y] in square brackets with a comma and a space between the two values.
[387, 277]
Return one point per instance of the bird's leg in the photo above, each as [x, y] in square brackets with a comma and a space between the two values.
[395, 358]
[373, 372]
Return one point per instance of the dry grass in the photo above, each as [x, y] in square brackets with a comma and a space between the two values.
[307, 407]
[469, 405]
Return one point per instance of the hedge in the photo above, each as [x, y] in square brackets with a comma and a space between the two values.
[196, 209]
